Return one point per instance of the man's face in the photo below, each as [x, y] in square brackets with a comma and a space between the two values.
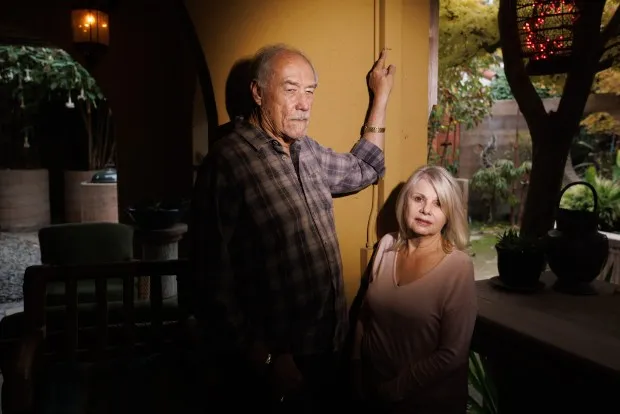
[286, 99]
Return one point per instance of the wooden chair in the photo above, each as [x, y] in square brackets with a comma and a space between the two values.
[85, 243]
[74, 244]
[102, 348]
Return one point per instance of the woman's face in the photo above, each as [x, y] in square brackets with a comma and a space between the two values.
[424, 214]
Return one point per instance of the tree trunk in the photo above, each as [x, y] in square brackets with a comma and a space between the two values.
[548, 161]
[552, 133]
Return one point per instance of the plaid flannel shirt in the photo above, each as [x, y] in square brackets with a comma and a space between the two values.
[264, 240]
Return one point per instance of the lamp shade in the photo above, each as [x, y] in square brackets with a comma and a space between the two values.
[90, 26]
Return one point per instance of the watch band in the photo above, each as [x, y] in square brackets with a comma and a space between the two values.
[373, 129]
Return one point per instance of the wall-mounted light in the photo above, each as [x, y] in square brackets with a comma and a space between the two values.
[91, 30]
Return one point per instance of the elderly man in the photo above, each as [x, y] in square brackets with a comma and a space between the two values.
[264, 239]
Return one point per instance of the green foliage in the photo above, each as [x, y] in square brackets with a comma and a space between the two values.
[595, 149]
[612, 50]
[500, 90]
[580, 197]
[449, 159]
[607, 81]
[30, 75]
[490, 183]
[616, 168]
[494, 184]
[511, 239]
[470, 37]
[468, 31]
[485, 402]
[601, 123]
[462, 97]
[34, 72]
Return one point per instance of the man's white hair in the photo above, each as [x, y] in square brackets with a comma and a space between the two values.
[261, 69]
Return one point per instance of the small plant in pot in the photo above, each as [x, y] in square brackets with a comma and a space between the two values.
[520, 261]
[157, 215]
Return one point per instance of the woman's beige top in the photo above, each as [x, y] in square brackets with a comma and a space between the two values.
[417, 336]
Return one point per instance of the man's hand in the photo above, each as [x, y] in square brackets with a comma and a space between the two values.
[282, 373]
[284, 376]
[381, 79]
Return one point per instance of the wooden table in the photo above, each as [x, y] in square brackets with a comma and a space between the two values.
[551, 351]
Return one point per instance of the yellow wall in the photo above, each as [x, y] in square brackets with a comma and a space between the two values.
[342, 38]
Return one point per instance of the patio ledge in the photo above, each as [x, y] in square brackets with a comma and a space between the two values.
[549, 350]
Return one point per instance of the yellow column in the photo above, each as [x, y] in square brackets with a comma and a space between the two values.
[343, 38]
[403, 27]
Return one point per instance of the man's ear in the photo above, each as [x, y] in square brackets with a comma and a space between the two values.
[256, 93]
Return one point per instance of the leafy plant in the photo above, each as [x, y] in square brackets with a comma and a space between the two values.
[580, 197]
[28, 76]
[482, 397]
[468, 36]
[601, 123]
[511, 239]
[494, 184]
[100, 134]
[35, 72]
[595, 145]
[500, 90]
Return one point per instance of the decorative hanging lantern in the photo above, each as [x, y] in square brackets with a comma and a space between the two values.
[546, 31]
[90, 26]
[91, 30]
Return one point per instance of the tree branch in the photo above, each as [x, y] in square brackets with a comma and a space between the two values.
[491, 47]
[525, 94]
[586, 53]
[612, 27]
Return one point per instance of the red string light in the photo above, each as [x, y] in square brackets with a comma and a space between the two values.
[541, 45]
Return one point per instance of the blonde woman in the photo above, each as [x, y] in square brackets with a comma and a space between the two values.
[417, 320]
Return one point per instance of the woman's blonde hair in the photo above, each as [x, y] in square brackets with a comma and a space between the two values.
[455, 233]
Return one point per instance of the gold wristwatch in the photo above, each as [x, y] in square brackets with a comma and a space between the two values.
[367, 128]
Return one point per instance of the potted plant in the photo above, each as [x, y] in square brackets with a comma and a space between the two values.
[520, 261]
[30, 78]
[98, 132]
[81, 198]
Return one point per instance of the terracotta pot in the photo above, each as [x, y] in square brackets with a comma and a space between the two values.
[24, 200]
[73, 194]
[99, 202]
